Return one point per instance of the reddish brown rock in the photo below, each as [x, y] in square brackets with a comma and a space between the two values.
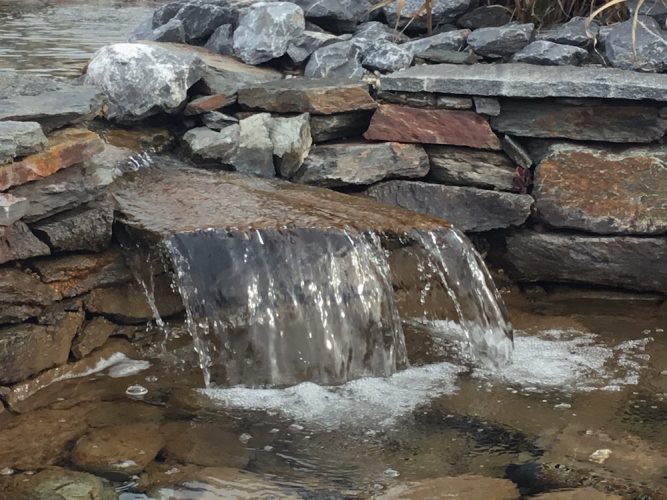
[66, 148]
[207, 103]
[22, 295]
[603, 192]
[18, 242]
[431, 126]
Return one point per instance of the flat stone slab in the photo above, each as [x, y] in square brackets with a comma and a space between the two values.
[22, 295]
[604, 192]
[431, 126]
[17, 242]
[200, 200]
[66, 148]
[527, 80]
[20, 139]
[617, 261]
[468, 209]
[322, 96]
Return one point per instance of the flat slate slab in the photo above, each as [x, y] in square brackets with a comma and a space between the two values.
[527, 80]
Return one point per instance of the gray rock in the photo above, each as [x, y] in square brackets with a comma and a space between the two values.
[14, 84]
[648, 53]
[455, 102]
[326, 128]
[502, 41]
[449, 56]
[488, 106]
[624, 262]
[254, 155]
[143, 31]
[291, 140]
[209, 144]
[657, 9]
[517, 152]
[444, 11]
[609, 123]
[165, 13]
[200, 20]
[221, 40]
[526, 80]
[142, 80]
[173, 31]
[470, 167]
[20, 139]
[301, 48]
[449, 41]
[338, 60]
[93, 334]
[574, 32]
[22, 295]
[386, 57]
[17, 242]
[87, 228]
[486, 16]
[550, 54]
[467, 208]
[374, 31]
[266, 30]
[54, 109]
[338, 15]
[337, 165]
[12, 208]
[215, 120]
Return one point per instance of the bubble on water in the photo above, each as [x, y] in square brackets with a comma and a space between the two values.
[136, 390]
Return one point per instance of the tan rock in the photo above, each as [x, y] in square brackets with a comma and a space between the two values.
[118, 451]
[57, 484]
[18, 242]
[577, 494]
[66, 148]
[22, 295]
[93, 335]
[459, 488]
[431, 126]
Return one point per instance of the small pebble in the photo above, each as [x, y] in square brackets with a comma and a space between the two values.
[600, 456]
[7, 471]
[391, 473]
[245, 437]
[296, 427]
[268, 448]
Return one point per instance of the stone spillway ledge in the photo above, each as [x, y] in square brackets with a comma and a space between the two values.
[526, 80]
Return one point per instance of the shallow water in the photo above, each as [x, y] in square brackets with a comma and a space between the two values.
[57, 37]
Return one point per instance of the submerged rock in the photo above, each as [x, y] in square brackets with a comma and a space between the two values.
[338, 60]
[646, 51]
[549, 53]
[59, 484]
[462, 488]
[467, 208]
[142, 80]
[502, 41]
[338, 165]
[20, 139]
[266, 30]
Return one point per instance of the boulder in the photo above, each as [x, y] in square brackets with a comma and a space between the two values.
[86, 228]
[22, 295]
[527, 80]
[59, 484]
[165, 13]
[386, 57]
[142, 80]
[585, 122]
[338, 15]
[118, 451]
[173, 31]
[302, 47]
[605, 192]
[646, 51]
[337, 165]
[467, 208]
[72, 275]
[304, 95]
[20, 139]
[18, 242]
[431, 126]
[447, 41]
[577, 31]
[12, 208]
[471, 167]
[550, 54]
[338, 60]
[266, 30]
[29, 348]
[501, 41]
[66, 147]
[291, 140]
[201, 19]
[444, 11]
[326, 128]
[221, 40]
[486, 16]
[616, 261]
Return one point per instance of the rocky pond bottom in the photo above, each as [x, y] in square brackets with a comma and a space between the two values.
[583, 405]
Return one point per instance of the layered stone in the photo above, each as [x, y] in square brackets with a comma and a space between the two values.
[601, 191]
[326, 128]
[591, 122]
[302, 95]
[467, 208]
[616, 261]
[22, 295]
[18, 242]
[551, 54]
[20, 139]
[527, 80]
[12, 208]
[431, 126]
[206, 104]
[66, 148]
[501, 41]
[337, 165]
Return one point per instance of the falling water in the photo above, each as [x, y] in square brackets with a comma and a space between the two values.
[278, 307]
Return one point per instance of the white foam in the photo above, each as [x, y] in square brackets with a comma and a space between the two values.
[128, 367]
[118, 364]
